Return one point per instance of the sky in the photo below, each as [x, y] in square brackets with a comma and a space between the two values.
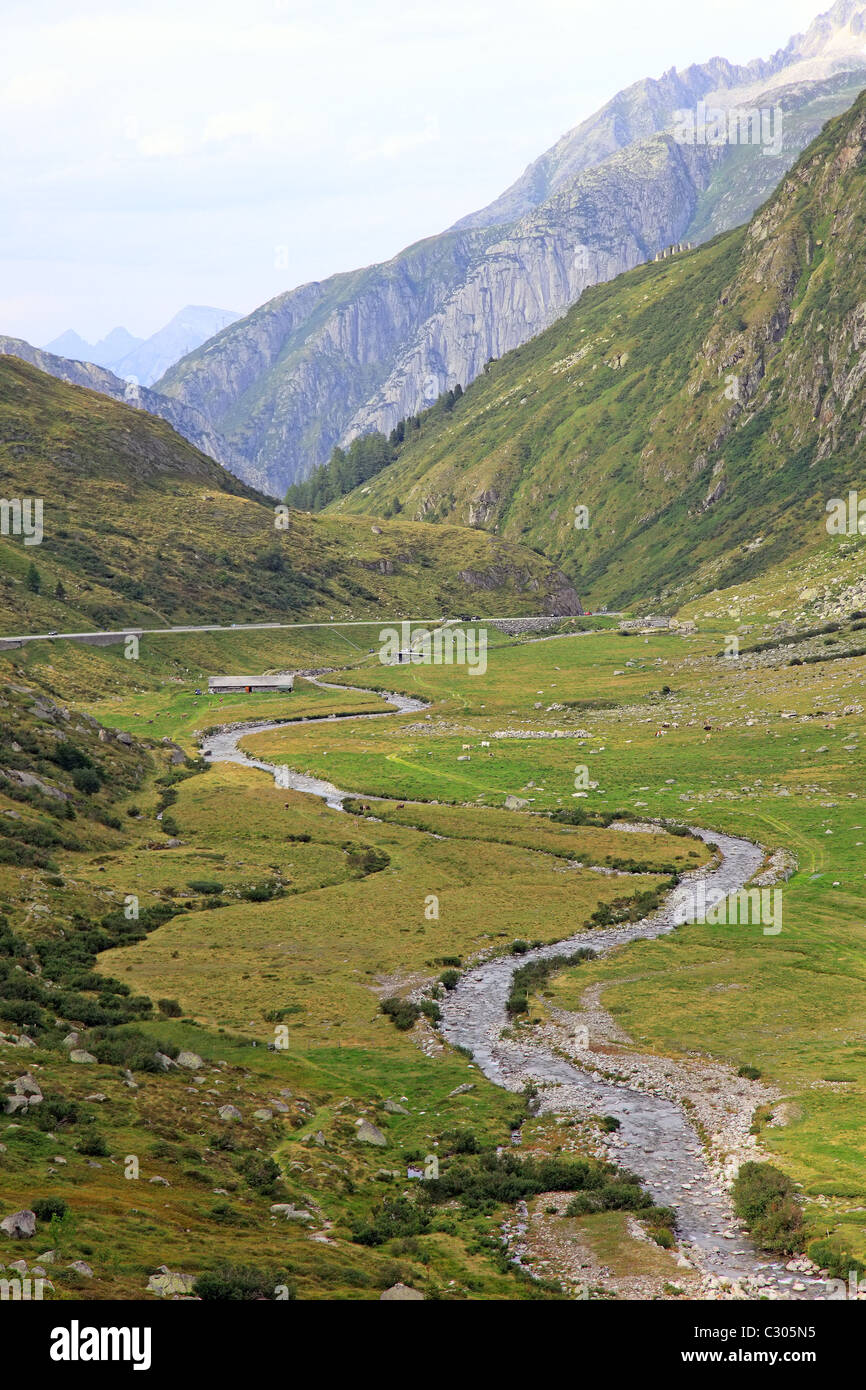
[176, 152]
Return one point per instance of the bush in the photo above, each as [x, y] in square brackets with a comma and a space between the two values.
[765, 1199]
[836, 1259]
[462, 1141]
[397, 1217]
[241, 1283]
[93, 1145]
[262, 1174]
[364, 859]
[86, 780]
[262, 892]
[128, 1048]
[204, 885]
[449, 978]
[46, 1207]
[752, 1073]
[170, 1007]
[402, 1012]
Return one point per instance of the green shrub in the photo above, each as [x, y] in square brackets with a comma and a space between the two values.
[128, 1048]
[241, 1283]
[396, 1217]
[402, 1012]
[93, 1145]
[764, 1197]
[46, 1207]
[86, 780]
[262, 1173]
[170, 1007]
[262, 892]
[752, 1073]
[836, 1259]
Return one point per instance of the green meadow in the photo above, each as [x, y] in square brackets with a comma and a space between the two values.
[280, 918]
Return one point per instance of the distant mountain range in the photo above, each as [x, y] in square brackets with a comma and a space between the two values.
[145, 359]
[320, 364]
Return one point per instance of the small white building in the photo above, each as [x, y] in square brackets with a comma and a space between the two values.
[250, 685]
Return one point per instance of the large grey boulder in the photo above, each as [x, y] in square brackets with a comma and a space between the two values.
[27, 1085]
[367, 1133]
[190, 1060]
[400, 1293]
[167, 1282]
[20, 1225]
[79, 1055]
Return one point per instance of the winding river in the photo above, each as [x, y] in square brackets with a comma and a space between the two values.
[655, 1138]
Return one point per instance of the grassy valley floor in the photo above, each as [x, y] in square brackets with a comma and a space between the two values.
[269, 917]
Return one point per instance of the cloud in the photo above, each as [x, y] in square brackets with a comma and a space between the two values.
[393, 146]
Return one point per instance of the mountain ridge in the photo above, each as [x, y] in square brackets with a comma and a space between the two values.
[703, 409]
[318, 365]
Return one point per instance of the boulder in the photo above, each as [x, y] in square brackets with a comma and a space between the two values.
[27, 1085]
[291, 1212]
[462, 1090]
[190, 1060]
[229, 1112]
[166, 1282]
[81, 1268]
[79, 1055]
[394, 1107]
[367, 1133]
[20, 1225]
[400, 1293]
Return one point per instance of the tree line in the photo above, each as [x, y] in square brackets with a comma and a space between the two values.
[366, 456]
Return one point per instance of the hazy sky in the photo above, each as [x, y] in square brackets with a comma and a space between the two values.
[178, 152]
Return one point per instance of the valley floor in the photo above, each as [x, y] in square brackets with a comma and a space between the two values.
[282, 920]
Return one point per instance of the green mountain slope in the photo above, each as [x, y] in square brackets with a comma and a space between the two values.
[140, 528]
[703, 408]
